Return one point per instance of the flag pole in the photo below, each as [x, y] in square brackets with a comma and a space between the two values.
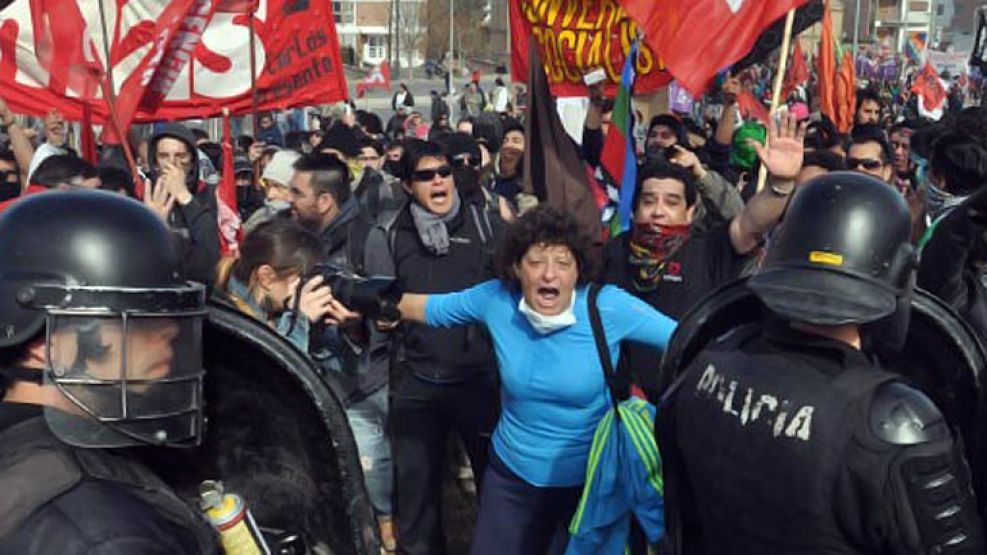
[109, 94]
[762, 176]
[253, 71]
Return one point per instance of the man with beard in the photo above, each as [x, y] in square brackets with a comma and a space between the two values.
[870, 108]
[123, 370]
[870, 153]
[667, 262]
[322, 201]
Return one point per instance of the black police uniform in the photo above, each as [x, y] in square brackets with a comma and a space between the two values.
[786, 442]
[59, 499]
[71, 263]
[780, 439]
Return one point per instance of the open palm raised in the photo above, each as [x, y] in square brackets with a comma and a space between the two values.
[782, 156]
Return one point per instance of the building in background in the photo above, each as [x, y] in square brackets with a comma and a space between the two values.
[364, 27]
[888, 23]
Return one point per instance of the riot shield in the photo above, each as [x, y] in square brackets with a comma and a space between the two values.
[942, 356]
[277, 435]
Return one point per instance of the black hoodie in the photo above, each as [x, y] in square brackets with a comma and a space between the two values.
[195, 224]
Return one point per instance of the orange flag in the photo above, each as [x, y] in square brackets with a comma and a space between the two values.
[826, 66]
[798, 71]
[846, 93]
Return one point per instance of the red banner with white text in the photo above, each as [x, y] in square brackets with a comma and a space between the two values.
[575, 37]
[48, 61]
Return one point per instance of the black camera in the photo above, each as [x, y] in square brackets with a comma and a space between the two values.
[376, 297]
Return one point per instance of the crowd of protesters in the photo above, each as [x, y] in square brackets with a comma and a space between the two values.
[441, 207]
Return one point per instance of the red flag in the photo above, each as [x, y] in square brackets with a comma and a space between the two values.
[798, 71]
[931, 91]
[826, 67]
[846, 93]
[88, 139]
[176, 35]
[295, 40]
[379, 78]
[230, 230]
[696, 39]
[752, 108]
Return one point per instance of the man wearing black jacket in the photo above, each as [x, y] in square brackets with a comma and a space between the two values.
[440, 242]
[954, 253]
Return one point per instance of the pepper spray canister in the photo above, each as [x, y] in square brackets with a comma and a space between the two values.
[229, 515]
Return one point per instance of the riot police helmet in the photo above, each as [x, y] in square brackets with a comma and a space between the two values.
[842, 254]
[97, 276]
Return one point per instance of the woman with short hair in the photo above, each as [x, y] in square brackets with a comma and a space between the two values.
[553, 389]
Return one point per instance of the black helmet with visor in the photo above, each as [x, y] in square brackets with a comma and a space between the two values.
[99, 276]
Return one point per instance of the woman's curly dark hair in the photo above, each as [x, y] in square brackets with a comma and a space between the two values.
[544, 225]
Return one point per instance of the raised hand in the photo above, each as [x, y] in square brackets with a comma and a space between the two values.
[782, 156]
[173, 180]
[158, 199]
[688, 160]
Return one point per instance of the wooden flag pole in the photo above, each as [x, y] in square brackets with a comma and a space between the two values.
[762, 176]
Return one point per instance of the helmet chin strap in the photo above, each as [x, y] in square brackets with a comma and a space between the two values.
[23, 374]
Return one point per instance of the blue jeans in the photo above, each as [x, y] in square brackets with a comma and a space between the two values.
[368, 420]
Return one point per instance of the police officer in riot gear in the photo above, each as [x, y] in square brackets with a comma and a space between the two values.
[787, 436]
[100, 348]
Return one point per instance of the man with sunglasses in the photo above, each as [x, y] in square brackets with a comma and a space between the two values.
[441, 241]
[870, 153]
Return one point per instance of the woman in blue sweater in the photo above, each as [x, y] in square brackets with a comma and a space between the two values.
[553, 390]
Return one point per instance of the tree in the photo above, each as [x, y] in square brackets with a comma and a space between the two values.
[411, 22]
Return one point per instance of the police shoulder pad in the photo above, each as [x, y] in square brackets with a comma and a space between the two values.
[902, 415]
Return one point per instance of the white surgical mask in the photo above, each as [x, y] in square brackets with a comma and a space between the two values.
[276, 205]
[545, 325]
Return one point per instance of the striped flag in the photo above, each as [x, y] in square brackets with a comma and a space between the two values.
[619, 157]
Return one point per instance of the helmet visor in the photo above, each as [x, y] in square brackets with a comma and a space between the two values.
[126, 379]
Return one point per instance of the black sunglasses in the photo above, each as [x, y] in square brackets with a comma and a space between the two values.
[866, 163]
[428, 175]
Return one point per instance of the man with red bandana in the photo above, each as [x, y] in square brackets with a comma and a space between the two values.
[670, 262]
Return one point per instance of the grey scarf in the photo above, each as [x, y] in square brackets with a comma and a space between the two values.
[939, 202]
[432, 228]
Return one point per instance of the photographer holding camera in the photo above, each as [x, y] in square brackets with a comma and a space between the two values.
[263, 279]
